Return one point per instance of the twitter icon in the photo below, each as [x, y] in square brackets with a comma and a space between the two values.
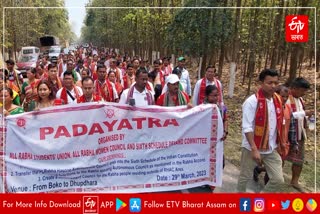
[285, 205]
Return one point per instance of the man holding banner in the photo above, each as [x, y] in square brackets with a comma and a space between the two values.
[115, 150]
[140, 92]
[173, 96]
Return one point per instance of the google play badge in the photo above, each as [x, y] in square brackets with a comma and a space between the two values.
[120, 204]
[311, 205]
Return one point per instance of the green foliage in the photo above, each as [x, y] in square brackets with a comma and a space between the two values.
[24, 26]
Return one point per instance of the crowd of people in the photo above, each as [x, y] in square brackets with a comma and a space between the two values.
[272, 125]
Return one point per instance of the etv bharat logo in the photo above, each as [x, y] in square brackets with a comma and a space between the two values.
[297, 28]
[90, 204]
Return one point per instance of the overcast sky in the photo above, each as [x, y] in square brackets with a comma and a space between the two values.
[76, 15]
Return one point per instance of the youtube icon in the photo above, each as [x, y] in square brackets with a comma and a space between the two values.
[273, 205]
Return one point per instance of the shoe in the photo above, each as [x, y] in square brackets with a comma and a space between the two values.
[298, 187]
[256, 173]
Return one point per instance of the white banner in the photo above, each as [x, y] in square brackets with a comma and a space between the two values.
[108, 147]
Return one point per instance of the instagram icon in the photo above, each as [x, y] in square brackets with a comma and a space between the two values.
[258, 205]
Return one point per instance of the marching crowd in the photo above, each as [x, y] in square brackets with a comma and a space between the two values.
[273, 124]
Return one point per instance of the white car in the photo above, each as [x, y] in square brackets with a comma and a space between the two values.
[54, 53]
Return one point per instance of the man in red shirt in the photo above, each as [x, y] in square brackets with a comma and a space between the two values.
[88, 92]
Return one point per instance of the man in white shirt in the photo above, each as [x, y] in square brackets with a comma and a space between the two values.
[262, 119]
[200, 87]
[70, 68]
[185, 78]
[69, 93]
[140, 93]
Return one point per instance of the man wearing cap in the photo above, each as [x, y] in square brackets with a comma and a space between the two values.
[200, 87]
[185, 78]
[14, 76]
[173, 96]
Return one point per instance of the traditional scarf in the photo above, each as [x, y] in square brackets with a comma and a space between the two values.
[182, 99]
[33, 86]
[95, 98]
[261, 132]
[202, 91]
[167, 70]
[285, 131]
[105, 90]
[44, 76]
[75, 76]
[93, 71]
[64, 95]
[58, 102]
[293, 106]
[148, 94]
[60, 68]
[55, 86]
[16, 79]
[161, 78]
[13, 86]
[126, 81]
[117, 72]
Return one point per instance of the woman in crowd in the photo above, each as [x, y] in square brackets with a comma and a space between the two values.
[46, 97]
[53, 79]
[112, 78]
[6, 98]
[29, 88]
[16, 97]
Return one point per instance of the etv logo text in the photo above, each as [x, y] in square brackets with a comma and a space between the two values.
[297, 28]
[90, 204]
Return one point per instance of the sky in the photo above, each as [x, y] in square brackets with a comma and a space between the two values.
[76, 15]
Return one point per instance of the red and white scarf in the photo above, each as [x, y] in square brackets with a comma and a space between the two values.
[95, 98]
[261, 132]
[300, 124]
[126, 81]
[64, 95]
[202, 91]
[149, 95]
[105, 90]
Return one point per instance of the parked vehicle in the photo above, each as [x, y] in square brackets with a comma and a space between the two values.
[30, 50]
[26, 62]
[47, 42]
[54, 53]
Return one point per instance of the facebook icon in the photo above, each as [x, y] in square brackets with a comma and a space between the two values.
[245, 205]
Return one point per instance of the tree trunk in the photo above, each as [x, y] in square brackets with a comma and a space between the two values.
[277, 32]
[293, 63]
[252, 46]
[233, 68]
[205, 39]
[318, 59]
[286, 62]
[235, 43]
[222, 44]
[245, 68]
[296, 50]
